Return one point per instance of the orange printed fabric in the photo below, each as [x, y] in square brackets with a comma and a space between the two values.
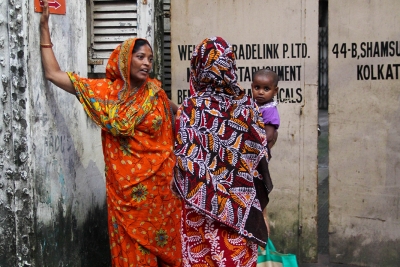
[143, 214]
[209, 243]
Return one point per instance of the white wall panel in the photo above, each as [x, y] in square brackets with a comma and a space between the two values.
[364, 143]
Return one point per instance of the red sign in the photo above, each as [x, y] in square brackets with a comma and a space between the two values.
[55, 6]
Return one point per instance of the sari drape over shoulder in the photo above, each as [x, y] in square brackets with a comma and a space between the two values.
[137, 139]
[220, 144]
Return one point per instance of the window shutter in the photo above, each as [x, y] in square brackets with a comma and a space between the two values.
[112, 22]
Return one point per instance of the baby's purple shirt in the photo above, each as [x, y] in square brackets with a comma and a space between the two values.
[270, 114]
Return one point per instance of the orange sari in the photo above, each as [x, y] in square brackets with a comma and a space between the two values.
[137, 139]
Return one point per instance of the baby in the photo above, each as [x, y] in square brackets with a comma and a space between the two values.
[264, 87]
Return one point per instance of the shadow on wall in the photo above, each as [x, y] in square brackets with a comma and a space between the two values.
[75, 233]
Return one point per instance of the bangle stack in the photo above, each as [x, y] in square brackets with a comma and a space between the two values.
[46, 45]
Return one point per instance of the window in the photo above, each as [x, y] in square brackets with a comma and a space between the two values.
[111, 22]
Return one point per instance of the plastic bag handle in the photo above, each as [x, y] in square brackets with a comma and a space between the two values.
[270, 246]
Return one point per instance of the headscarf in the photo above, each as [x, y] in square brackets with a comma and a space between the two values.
[220, 143]
[110, 102]
[213, 68]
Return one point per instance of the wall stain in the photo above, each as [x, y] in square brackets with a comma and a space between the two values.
[64, 243]
[286, 238]
[354, 250]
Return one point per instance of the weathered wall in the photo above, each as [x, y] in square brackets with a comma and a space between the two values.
[282, 35]
[364, 131]
[52, 193]
[7, 166]
[68, 167]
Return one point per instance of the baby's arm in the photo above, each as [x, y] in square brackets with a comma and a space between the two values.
[272, 135]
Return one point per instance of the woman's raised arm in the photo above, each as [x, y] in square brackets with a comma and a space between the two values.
[52, 70]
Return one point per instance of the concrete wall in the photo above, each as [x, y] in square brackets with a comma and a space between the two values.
[364, 132]
[52, 193]
[289, 30]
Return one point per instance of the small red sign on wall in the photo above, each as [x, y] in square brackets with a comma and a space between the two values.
[55, 6]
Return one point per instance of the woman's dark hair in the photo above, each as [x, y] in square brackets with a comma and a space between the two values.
[139, 43]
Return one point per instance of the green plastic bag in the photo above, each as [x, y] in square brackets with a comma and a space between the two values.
[271, 258]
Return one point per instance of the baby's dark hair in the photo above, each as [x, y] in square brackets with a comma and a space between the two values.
[267, 72]
[139, 43]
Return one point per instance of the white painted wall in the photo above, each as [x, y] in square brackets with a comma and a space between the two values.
[364, 131]
[67, 159]
[67, 145]
[145, 20]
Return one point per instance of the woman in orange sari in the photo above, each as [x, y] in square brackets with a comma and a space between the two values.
[135, 117]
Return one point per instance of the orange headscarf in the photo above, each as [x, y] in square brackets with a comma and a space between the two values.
[110, 102]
